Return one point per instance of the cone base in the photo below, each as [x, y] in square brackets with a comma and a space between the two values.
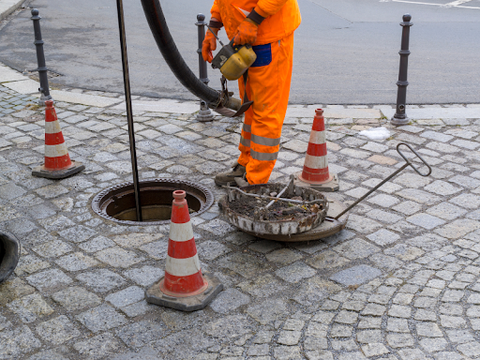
[190, 303]
[329, 185]
[41, 171]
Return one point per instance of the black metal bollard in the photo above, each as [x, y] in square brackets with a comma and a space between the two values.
[205, 113]
[400, 117]
[42, 68]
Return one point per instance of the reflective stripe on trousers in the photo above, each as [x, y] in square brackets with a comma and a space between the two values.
[269, 88]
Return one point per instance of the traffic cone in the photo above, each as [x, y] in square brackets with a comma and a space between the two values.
[183, 287]
[315, 170]
[57, 161]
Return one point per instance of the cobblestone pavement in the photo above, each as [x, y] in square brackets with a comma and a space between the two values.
[400, 282]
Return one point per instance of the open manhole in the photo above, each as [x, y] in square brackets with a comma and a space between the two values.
[117, 203]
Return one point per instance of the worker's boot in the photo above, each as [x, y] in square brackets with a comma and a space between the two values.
[229, 176]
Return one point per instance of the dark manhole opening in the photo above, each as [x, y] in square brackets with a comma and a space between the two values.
[117, 203]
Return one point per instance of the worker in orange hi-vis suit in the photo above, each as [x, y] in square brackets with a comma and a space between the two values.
[267, 25]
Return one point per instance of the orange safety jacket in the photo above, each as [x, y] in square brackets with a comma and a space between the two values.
[282, 17]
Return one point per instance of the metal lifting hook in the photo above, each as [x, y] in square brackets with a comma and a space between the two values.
[407, 163]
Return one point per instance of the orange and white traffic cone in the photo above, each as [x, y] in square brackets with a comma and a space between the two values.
[57, 161]
[183, 287]
[315, 170]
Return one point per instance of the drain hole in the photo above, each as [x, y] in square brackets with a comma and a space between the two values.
[118, 203]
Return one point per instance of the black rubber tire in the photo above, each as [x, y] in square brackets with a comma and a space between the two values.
[9, 255]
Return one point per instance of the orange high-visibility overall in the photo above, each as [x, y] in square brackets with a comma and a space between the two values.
[268, 84]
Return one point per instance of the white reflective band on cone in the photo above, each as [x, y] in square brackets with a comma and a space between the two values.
[52, 127]
[181, 232]
[182, 267]
[317, 137]
[316, 162]
[56, 150]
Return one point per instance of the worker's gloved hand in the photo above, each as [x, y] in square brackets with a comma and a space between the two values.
[209, 44]
[246, 32]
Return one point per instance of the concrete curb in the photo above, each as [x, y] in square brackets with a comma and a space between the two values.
[22, 84]
[9, 6]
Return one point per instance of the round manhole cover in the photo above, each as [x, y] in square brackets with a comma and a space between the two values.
[117, 203]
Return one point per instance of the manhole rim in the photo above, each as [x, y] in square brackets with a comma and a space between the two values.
[97, 199]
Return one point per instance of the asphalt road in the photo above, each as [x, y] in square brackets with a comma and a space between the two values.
[346, 50]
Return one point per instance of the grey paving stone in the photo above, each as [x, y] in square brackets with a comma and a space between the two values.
[217, 227]
[99, 346]
[327, 260]
[287, 337]
[52, 191]
[11, 191]
[76, 262]
[57, 330]
[101, 318]
[458, 228]
[47, 355]
[356, 249]
[356, 275]
[442, 188]
[49, 279]
[145, 276]
[244, 264]
[77, 234]
[126, 297]
[295, 272]
[118, 257]
[383, 237]
[268, 311]
[362, 224]
[265, 246]
[144, 354]
[229, 300]
[56, 223]
[283, 256]
[210, 250]
[426, 221]
[467, 201]
[460, 336]
[76, 298]
[101, 280]
[142, 333]
[96, 244]
[30, 264]
[229, 327]
[17, 342]
[30, 308]
[263, 286]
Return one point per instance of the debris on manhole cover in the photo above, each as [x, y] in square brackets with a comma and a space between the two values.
[274, 208]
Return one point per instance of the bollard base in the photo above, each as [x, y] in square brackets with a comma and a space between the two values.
[41, 171]
[205, 114]
[190, 303]
[397, 121]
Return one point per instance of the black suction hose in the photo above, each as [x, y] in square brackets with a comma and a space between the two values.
[161, 33]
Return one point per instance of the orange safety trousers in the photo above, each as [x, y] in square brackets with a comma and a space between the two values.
[268, 87]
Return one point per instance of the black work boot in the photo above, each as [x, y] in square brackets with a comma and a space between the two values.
[229, 176]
